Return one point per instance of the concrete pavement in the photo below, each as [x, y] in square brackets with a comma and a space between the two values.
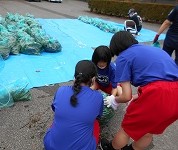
[22, 126]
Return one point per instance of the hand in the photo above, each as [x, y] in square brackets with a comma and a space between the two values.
[111, 102]
[156, 38]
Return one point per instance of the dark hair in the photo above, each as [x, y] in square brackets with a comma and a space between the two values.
[101, 53]
[85, 70]
[121, 41]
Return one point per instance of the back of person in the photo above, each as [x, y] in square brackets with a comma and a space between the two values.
[161, 66]
[76, 109]
[72, 127]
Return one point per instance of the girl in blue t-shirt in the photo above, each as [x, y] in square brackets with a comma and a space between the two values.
[155, 107]
[76, 109]
[105, 80]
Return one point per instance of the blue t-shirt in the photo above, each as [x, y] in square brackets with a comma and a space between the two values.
[141, 64]
[72, 127]
[106, 76]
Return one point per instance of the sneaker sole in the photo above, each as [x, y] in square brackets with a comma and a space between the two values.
[100, 146]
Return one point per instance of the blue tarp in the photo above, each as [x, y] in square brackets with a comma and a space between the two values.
[77, 39]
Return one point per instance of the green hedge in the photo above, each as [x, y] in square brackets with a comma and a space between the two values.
[150, 12]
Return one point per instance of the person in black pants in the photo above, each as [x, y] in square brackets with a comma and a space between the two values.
[136, 18]
[171, 40]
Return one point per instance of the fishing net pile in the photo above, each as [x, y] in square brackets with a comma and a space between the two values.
[13, 92]
[23, 34]
[101, 24]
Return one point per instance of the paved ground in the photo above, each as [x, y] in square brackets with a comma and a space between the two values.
[22, 126]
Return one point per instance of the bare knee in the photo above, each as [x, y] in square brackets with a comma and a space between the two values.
[120, 140]
[143, 142]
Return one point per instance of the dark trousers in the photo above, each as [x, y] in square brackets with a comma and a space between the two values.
[139, 28]
[170, 50]
[171, 44]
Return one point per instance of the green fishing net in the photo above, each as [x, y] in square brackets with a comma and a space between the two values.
[6, 99]
[108, 113]
[156, 44]
[101, 24]
[23, 34]
[13, 92]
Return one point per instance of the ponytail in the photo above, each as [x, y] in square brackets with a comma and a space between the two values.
[76, 89]
[85, 70]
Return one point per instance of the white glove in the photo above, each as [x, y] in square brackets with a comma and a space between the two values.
[110, 101]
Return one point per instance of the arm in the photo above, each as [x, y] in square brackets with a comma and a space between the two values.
[171, 18]
[126, 96]
[164, 26]
[114, 91]
[126, 93]
[94, 85]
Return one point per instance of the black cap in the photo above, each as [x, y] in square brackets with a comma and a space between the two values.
[132, 10]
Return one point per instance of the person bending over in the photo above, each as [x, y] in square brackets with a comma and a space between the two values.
[156, 106]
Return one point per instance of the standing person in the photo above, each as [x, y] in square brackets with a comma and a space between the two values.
[76, 109]
[105, 80]
[136, 18]
[171, 40]
[156, 106]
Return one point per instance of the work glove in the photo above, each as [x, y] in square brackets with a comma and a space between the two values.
[156, 38]
[111, 102]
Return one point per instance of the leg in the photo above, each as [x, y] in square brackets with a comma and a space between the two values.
[168, 49]
[139, 28]
[143, 142]
[96, 131]
[120, 140]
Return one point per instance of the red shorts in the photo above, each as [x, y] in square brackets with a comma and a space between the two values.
[107, 89]
[154, 110]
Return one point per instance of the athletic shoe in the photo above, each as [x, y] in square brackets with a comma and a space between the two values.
[127, 147]
[105, 144]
